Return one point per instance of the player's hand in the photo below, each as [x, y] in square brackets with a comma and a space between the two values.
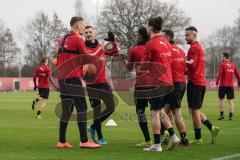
[35, 88]
[110, 37]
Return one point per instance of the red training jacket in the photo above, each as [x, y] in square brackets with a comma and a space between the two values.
[69, 65]
[196, 70]
[135, 56]
[41, 76]
[226, 73]
[178, 64]
[156, 63]
[100, 63]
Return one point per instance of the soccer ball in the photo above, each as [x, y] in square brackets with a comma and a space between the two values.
[89, 68]
[89, 72]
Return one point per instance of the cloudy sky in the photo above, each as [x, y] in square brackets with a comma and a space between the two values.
[207, 15]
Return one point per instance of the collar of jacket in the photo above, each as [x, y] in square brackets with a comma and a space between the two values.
[92, 45]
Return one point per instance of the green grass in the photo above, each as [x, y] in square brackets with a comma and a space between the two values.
[24, 138]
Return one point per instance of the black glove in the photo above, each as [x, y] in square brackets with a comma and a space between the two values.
[239, 84]
[35, 88]
[111, 37]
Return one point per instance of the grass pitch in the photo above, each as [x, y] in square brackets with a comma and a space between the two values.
[22, 137]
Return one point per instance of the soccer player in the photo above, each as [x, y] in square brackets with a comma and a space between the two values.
[134, 59]
[41, 82]
[157, 63]
[179, 79]
[70, 60]
[98, 88]
[196, 86]
[225, 81]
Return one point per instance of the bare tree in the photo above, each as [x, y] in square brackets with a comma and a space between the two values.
[41, 35]
[218, 42]
[125, 17]
[226, 39]
[8, 47]
[236, 39]
[58, 29]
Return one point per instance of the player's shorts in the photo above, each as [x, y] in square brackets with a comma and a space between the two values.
[43, 93]
[223, 91]
[100, 92]
[71, 87]
[73, 95]
[174, 99]
[195, 95]
[152, 95]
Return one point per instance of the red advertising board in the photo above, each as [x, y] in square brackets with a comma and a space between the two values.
[26, 84]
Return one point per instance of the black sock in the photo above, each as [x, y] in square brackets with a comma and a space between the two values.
[157, 139]
[162, 129]
[62, 131]
[230, 115]
[145, 131]
[98, 127]
[143, 124]
[99, 132]
[171, 132]
[222, 114]
[39, 112]
[37, 100]
[82, 126]
[92, 126]
[208, 124]
[183, 136]
[198, 133]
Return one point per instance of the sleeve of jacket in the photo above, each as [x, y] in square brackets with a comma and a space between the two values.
[237, 74]
[114, 51]
[146, 61]
[131, 60]
[219, 76]
[35, 75]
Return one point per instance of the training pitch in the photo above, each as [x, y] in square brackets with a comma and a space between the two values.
[22, 137]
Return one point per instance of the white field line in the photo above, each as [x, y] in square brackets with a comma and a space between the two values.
[228, 157]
